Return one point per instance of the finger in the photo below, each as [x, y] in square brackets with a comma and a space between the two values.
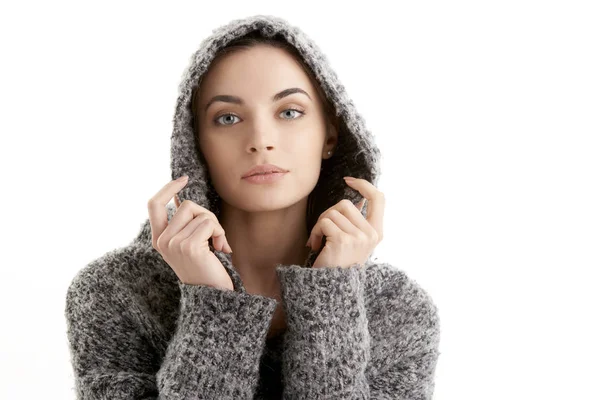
[157, 207]
[325, 227]
[338, 206]
[376, 202]
[201, 231]
[189, 229]
[220, 243]
[186, 213]
[198, 233]
[343, 223]
[354, 216]
[311, 237]
[348, 217]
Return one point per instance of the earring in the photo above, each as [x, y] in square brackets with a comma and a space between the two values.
[329, 153]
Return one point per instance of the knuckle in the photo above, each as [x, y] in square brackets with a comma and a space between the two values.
[187, 248]
[187, 203]
[172, 243]
[346, 241]
[374, 236]
[206, 220]
[346, 203]
[159, 243]
[151, 203]
[365, 237]
[206, 223]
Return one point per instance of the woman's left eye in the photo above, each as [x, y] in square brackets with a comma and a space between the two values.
[293, 109]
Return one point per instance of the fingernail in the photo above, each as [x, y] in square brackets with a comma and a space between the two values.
[182, 178]
[349, 178]
[308, 243]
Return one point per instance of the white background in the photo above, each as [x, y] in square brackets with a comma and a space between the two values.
[487, 115]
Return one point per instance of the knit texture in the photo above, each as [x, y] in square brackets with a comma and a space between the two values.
[362, 332]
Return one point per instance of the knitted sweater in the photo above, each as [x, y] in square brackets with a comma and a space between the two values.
[137, 332]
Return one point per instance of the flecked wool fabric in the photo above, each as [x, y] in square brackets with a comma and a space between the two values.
[136, 332]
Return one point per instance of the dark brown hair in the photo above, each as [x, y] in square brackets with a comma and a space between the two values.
[318, 197]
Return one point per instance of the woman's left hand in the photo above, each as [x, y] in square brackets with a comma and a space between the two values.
[350, 238]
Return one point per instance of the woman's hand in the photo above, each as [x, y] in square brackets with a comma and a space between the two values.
[350, 237]
[183, 241]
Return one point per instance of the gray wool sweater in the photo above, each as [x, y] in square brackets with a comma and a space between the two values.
[137, 332]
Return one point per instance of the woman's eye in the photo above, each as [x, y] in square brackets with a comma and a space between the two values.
[224, 115]
[230, 116]
[293, 110]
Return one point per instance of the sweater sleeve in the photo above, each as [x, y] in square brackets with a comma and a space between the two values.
[217, 346]
[406, 324]
[328, 344]
[214, 352]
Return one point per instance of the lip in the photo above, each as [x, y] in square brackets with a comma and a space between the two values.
[265, 178]
[263, 168]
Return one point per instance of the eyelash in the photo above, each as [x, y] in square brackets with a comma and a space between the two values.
[216, 120]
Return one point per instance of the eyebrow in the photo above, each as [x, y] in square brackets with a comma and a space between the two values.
[237, 100]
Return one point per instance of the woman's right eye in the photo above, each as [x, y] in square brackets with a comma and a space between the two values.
[224, 115]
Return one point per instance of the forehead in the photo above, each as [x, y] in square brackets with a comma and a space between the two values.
[255, 73]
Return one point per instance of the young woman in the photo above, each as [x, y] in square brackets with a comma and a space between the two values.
[259, 283]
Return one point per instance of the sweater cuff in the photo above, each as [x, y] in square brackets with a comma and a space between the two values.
[229, 314]
[321, 297]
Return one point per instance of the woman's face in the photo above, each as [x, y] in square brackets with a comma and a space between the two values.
[236, 136]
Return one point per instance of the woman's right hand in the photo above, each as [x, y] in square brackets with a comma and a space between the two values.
[183, 241]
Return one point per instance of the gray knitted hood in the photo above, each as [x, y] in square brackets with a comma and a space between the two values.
[355, 154]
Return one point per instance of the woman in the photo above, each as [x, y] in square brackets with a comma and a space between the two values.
[161, 318]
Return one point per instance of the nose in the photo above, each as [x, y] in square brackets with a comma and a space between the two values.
[261, 140]
[254, 149]
[262, 135]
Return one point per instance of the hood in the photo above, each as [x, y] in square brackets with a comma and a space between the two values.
[355, 154]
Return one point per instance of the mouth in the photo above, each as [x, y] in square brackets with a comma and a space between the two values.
[265, 177]
[266, 173]
[264, 169]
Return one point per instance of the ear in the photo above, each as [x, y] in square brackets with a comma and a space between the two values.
[332, 137]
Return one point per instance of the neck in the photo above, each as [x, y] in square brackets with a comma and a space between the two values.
[260, 240]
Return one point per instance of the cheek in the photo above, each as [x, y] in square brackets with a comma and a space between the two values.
[305, 157]
[307, 144]
[220, 161]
